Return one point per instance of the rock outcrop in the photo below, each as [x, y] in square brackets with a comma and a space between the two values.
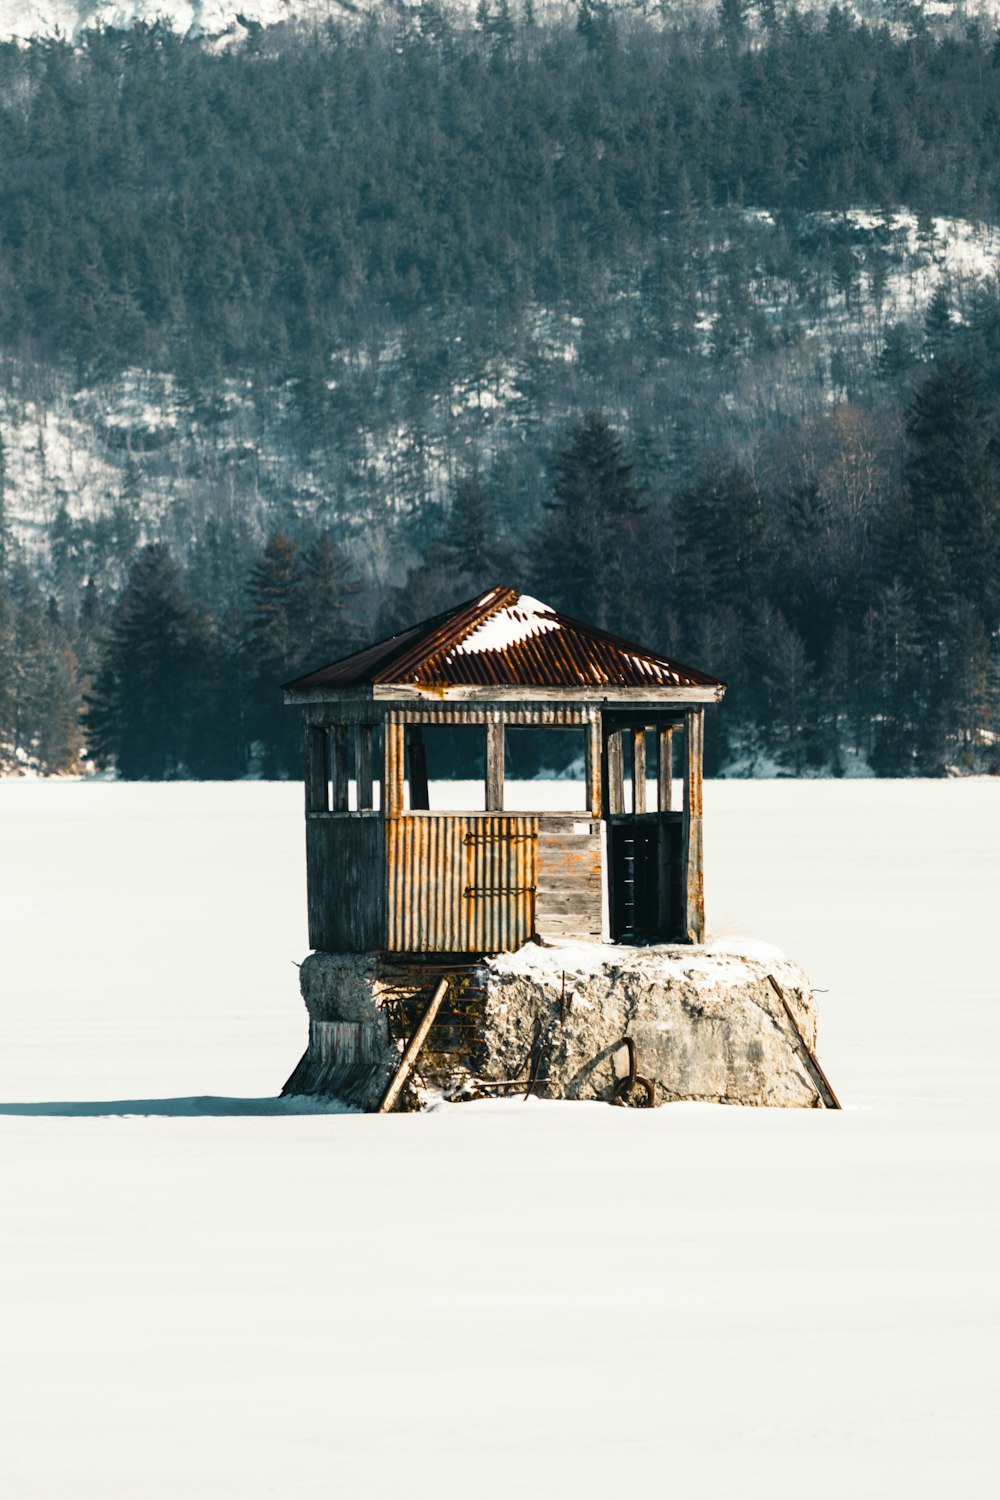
[574, 1021]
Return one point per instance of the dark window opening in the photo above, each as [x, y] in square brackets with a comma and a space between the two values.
[445, 767]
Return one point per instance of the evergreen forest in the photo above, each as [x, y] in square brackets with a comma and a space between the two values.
[308, 338]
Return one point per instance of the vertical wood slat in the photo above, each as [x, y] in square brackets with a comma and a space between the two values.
[694, 887]
[395, 768]
[315, 754]
[615, 773]
[639, 770]
[665, 770]
[338, 768]
[593, 741]
[364, 768]
[494, 764]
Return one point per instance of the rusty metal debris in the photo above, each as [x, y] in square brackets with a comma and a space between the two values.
[412, 1052]
[625, 1085]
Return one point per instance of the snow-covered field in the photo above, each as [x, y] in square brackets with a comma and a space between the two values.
[216, 1298]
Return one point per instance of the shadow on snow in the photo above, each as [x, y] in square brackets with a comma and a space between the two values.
[198, 1105]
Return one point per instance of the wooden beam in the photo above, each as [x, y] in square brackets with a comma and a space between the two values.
[638, 770]
[606, 696]
[665, 770]
[338, 768]
[395, 769]
[593, 752]
[614, 773]
[417, 756]
[364, 767]
[315, 755]
[412, 1052]
[494, 764]
[823, 1085]
[694, 886]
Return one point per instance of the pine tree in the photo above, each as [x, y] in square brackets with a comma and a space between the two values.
[272, 653]
[148, 708]
[323, 626]
[585, 548]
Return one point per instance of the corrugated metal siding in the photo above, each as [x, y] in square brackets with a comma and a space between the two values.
[548, 715]
[461, 883]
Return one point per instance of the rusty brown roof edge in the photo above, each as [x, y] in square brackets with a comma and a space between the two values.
[399, 658]
[403, 637]
[448, 632]
[633, 649]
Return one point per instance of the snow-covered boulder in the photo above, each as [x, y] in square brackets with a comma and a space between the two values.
[730, 1024]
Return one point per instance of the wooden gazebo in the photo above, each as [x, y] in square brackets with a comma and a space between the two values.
[390, 871]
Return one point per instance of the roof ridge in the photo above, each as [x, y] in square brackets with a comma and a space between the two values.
[466, 617]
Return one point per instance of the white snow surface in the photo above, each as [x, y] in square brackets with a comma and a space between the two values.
[509, 626]
[206, 1294]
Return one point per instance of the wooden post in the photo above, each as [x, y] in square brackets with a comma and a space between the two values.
[413, 1047]
[395, 769]
[316, 784]
[665, 770]
[593, 739]
[364, 766]
[639, 770]
[691, 854]
[494, 764]
[338, 768]
[419, 791]
[615, 775]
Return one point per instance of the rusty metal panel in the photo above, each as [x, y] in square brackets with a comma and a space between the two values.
[505, 639]
[461, 883]
[516, 715]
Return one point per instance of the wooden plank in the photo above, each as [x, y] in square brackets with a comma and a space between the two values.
[339, 768]
[615, 777]
[405, 693]
[345, 865]
[494, 764]
[364, 767]
[593, 743]
[823, 1084]
[412, 1052]
[694, 887]
[353, 710]
[395, 769]
[316, 783]
[638, 771]
[665, 769]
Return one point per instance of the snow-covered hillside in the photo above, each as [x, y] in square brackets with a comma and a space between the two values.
[76, 448]
[233, 19]
[206, 1295]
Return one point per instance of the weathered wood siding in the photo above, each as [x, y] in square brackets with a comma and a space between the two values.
[568, 900]
[459, 883]
[345, 862]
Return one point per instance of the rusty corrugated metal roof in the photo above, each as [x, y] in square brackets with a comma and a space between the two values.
[504, 639]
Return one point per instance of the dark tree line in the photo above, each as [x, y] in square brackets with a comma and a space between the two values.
[164, 204]
[286, 213]
[854, 610]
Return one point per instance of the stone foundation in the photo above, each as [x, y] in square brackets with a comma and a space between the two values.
[706, 1024]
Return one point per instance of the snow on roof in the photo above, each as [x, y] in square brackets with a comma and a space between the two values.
[509, 626]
